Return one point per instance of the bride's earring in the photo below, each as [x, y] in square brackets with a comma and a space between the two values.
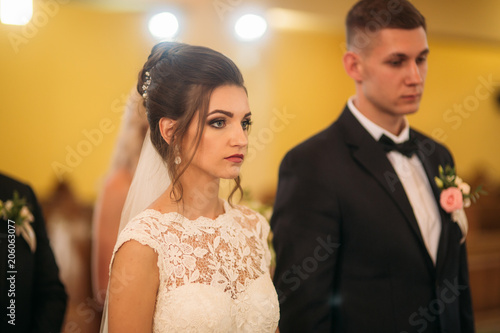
[177, 159]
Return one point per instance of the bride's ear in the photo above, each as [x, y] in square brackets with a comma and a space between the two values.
[167, 129]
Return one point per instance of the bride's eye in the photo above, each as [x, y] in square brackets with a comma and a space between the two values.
[246, 124]
[217, 123]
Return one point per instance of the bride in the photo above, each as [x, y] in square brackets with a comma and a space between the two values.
[191, 261]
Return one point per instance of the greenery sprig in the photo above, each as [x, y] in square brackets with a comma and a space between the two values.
[16, 210]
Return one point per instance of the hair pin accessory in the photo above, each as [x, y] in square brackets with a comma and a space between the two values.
[147, 83]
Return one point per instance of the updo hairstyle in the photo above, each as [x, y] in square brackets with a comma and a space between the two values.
[182, 79]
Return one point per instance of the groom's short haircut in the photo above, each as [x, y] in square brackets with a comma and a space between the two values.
[367, 17]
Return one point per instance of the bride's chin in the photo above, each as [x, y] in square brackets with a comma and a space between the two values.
[231, 175]
[231, 172]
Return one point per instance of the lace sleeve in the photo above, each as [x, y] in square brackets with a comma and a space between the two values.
[141, 231]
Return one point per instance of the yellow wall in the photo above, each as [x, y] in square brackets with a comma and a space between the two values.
[68, 73]
[311, 83]
[72, 71]
[459, 109]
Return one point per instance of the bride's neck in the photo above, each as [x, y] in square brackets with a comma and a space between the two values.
[200, 197]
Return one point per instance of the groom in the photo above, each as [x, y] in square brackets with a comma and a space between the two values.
[362, 244]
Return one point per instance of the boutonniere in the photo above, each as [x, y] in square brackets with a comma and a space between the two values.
[17, 213]
[455, 196]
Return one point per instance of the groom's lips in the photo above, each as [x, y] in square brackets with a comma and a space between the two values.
[236, 158]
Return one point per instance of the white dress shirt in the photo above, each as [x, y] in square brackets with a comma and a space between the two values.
[412, 175]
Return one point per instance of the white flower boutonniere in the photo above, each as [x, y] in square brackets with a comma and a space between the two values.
[16, 210]
[455, 196]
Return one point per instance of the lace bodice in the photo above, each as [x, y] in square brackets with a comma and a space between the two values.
[214, 274]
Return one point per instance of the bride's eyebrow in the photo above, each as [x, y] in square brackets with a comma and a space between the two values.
[227, 113]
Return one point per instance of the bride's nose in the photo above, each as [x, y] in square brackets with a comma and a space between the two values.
[238, 137]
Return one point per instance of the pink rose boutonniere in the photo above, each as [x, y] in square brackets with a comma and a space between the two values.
[455, 196]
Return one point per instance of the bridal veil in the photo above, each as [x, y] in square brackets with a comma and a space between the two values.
[150, 181]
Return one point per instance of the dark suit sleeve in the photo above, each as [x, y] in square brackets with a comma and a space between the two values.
[305, 224]
[465, 299]
[49, 296]
[466, 313]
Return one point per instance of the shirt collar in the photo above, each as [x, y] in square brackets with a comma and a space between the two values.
[375, 130]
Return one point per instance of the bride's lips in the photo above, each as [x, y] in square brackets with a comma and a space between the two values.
[412, 97]
[236, 158]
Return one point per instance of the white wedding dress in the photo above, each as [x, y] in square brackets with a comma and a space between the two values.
[214, 274]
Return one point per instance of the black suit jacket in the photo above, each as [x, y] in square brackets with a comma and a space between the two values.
[350, 255]
[40, 298]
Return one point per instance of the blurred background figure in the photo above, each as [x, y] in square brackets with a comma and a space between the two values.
[109, 204]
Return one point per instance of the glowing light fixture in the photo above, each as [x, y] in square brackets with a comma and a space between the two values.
[164, 25]
[250, 27]
[16, 12]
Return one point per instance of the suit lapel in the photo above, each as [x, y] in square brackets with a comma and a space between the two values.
[370, 155]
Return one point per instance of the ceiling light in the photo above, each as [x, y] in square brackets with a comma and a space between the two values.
[250, 27]
[16, 12]
[164, 25]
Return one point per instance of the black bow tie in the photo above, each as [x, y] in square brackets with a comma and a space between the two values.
[407, 148]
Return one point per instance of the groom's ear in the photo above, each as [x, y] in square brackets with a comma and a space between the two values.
[167, 129]
[353, 65]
